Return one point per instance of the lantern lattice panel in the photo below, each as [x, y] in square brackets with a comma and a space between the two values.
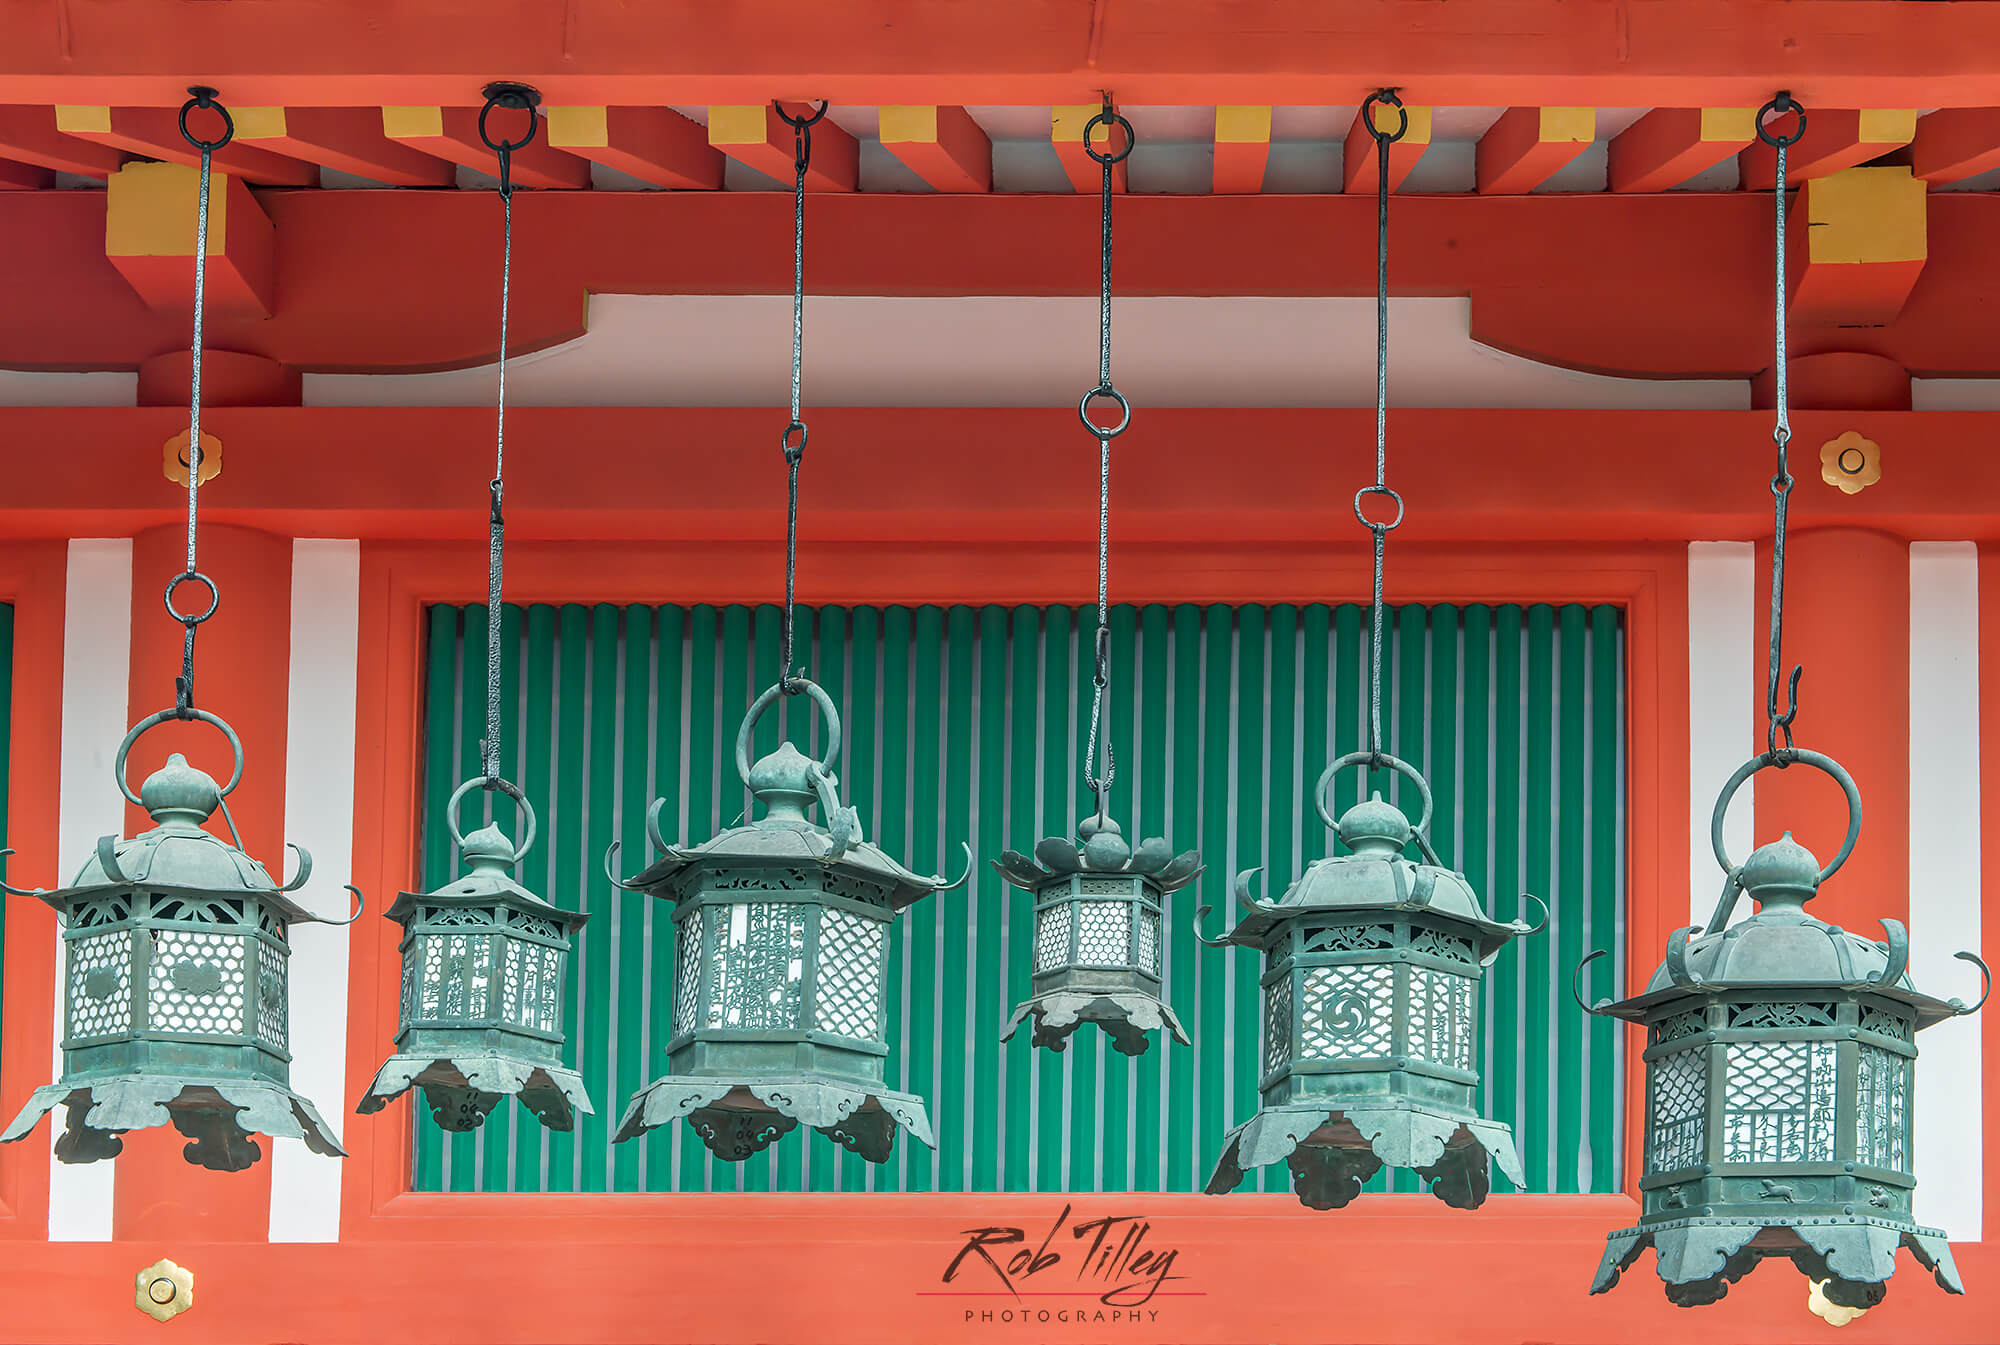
[1052, 940]
[1149, 941]
[531, 986]
[968, 721]
[1779, 1102]
[458, 974]
[1278, 1023]
[1104, 933]
[760, 982]
[197, 983]
[850, 974]
[687, 973]
[273, 1003]
[1679, 1103]
[1350, 1013]
[100, 984]
[1881, 1115]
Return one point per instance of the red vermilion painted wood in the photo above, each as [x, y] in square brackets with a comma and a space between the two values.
[372, 280]
[1012, 474]
[31, 579]
[1604, 53]
[242, 672]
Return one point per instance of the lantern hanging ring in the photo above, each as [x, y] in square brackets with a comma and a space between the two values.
[204, 98]
[516, 98]
[1421, 828]
[496, 785]
[1779, 106]
[164, 716]
[1805, 756]
[769, 698]
[1385, 98]
[1108, 118]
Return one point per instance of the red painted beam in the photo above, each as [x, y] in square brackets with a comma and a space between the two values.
[654, 144]
[1669, 145]
[1357, 152]
[1956, 143]
[349, 139]
[154, 133]
[453, 133]
[1529, 145]
[1497, 53]
[29, 135]
[1835, 138]
[24, 176]
[757, 137]
[373, 280]
[1677, 475]
[942, 145]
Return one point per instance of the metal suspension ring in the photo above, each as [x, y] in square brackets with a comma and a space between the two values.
[1385, 98]
[166, 716]
[800, 123]
[1403, 768]
[1108, 118]
[1811, 758]
[515, 98]
[1107, 393]
[1779, 106]
[189, 619]
[205, 98]
[498, 786]
[1371, 524]
[766, 700]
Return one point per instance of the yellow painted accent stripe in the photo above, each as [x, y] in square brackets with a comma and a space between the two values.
[1729, 123]
[1066, 124]
[909, 125]
[737, 124]
[412, 123]
[148, 205]
[579, 127]
[1242, 125]
[258, 123]
[1867, 215]
[1888, 126]
[1569, 123]
[75, 120]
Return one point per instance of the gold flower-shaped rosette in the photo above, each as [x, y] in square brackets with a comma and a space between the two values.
[164, 1290]
[1851, 463]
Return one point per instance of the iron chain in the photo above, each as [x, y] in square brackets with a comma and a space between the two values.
[795, 451]
[1097, 776]
[1379, 529]
[1781, 435]
[515, 97]
[200, 98]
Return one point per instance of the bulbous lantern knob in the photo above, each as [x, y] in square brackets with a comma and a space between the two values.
[1779, 1084]
[1370, 1048]
[174, 971]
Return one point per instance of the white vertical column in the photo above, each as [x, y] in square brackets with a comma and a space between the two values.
[319, 815]
[97, 681]
[1722, 727]
[1944, 877]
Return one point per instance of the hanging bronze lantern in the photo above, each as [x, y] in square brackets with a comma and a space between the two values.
[1372, 965]
[1097, 934]
[1779, 1060]
[484, 965]
[1097, 900]
[174, 978]
[781, 975]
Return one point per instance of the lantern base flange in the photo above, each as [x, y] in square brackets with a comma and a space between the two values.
[1699, 1259]
[1125, 1016]
[218, 1116]
[1331, 1152]
[461, 1090]
[737, 1118]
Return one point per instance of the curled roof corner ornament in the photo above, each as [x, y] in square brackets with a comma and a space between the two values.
[14, 891]
[1677, 959]
[1603, 1005]
[1985, 988]
[1898, 949]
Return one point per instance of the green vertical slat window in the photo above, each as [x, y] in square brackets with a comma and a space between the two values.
[967, 724]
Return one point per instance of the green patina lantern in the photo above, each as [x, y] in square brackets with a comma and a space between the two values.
[782, 960]
[1779, 1060]
[485, 962]
[1097, 934]
[174, 978]
[1371, 976]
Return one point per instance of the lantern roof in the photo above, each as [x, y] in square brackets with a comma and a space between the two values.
[1099, 849]
[787, 782]
[1783, 947]
[489, 854]
[179, 851]
[1376, 878]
